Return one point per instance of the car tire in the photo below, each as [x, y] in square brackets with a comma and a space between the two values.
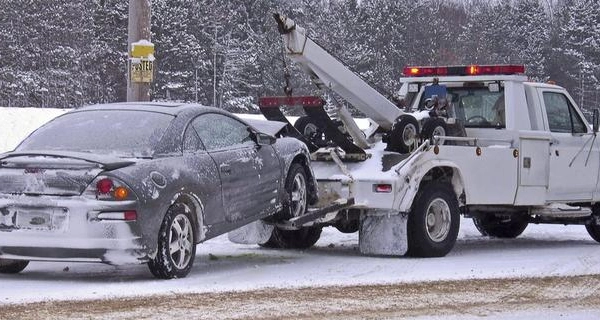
[12, 266]
[403, 135]
[176, 244]
[434, 127]
[295, 205]
[433, 222]
[493, 226]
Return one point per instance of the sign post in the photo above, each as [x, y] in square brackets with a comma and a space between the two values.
[140, 66]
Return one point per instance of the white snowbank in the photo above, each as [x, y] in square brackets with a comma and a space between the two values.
[17, 123]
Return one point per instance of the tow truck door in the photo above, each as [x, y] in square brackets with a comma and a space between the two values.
[574, 160]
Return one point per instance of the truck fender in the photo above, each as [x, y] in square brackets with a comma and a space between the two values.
[415, 176]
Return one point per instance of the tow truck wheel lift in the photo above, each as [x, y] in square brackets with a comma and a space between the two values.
[314, 108]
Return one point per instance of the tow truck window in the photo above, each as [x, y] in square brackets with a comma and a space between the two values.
[562, 117]
[479, 107]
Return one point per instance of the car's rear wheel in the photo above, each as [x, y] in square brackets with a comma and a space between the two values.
[12, 266]
[295, 205]
[176, 244]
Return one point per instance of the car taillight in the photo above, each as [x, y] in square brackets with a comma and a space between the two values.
[130, 215]
[104, 186]
[382, 188]
[109, 188]
[121, 193]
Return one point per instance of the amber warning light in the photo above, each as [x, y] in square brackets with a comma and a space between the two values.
[472, 70]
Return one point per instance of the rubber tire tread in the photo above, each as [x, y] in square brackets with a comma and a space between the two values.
[493, 228]
[161, 266]
[430, 125]
[12, 266]
[394, 141]
[303, 238]
[593, 229]
[302, 122]
[419, 242]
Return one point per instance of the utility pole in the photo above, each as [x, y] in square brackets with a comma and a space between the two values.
[138, 29]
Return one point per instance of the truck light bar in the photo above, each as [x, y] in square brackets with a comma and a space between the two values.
[305, 101]
[472, 70]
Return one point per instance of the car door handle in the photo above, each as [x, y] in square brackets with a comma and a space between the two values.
[225, 168]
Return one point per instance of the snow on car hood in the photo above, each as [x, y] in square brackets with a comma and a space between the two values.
[52, 173]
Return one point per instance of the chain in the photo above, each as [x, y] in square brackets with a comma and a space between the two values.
[287, 89]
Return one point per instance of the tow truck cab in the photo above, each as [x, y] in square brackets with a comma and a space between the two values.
[558, 157]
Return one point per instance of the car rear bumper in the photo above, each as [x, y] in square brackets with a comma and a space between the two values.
[68, 229]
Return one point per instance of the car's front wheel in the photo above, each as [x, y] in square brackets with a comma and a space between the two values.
[294, 206]
[176, 244]
[12, 266]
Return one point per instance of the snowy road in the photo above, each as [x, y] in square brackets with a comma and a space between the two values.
[542, 251]
[575, 297]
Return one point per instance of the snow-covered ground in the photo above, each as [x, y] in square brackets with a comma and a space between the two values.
[543, 250]
[335, 260]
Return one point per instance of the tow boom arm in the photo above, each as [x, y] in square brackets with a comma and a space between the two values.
[327, 71]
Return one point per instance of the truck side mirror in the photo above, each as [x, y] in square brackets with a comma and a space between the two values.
[595, 120]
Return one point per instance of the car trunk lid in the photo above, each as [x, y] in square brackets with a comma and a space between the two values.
[52, 173]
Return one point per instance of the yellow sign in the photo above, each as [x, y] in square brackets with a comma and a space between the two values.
[142, 70]
[142, 49]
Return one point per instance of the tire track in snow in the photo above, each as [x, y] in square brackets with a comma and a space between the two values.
[441, 299]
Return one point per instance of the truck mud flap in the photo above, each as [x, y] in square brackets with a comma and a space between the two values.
[383, 233]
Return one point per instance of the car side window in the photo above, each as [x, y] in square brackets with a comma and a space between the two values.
[191, 141]
[562, 116]
[217, 131]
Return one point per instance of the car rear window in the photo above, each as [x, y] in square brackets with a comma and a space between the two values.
[126, 133]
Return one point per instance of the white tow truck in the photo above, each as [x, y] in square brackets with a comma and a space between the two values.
[480, 141]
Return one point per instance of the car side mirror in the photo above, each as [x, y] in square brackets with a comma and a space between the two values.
[595, 120]
[263, 139]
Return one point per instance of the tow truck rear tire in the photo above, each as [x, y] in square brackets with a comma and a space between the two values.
[295, 205]
[493, 226]
[403, 135]
[303, 238]
[12, 266]
[594, 231]
[593, 228]
[434, 221]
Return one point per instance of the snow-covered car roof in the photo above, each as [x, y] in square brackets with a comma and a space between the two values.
[172, 108]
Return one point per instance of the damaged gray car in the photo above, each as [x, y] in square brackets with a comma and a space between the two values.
[144, 183]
